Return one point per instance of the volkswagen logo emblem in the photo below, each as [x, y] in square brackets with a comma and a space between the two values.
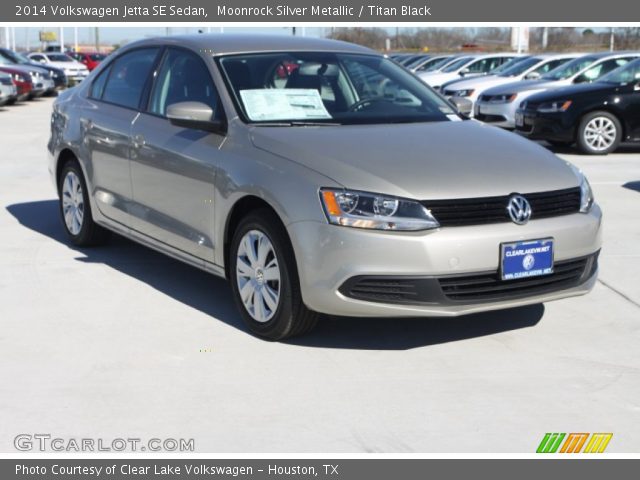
[519, 209]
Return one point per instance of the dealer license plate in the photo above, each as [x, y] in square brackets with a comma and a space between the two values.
[531, 258]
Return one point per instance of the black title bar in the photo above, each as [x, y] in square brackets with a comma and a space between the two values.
[293, 11]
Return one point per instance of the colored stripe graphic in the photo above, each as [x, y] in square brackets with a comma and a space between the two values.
[574, 443]
[598, 443]
[550, 442]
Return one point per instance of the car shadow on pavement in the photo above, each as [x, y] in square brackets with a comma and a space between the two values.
[212, 295]
[573, 150]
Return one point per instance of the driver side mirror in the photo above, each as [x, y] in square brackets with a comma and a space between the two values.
[582, 79]
[464, 71]
[195, 115]
[532, 76]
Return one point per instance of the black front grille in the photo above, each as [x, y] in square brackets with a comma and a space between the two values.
[479, 211]
[489, 286]
[467, 289]
[6, 80]
[392, 290]
[490, 118]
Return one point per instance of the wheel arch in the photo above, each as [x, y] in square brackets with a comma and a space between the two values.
[241, 208]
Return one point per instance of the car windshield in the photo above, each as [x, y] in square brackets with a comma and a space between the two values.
[59, 57]
[415, 61]
[328, 88]
[5, 61]
[457, 64]
[519, 68]
[569, 69]
[630, 73]
[433, 64]
[15, 57]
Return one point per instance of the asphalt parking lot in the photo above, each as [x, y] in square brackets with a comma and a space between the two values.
[121, 341]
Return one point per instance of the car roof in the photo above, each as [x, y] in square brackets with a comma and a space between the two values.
[229, 43]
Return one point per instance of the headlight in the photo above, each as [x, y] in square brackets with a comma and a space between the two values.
[586, 195]
[506, 98]
[374, 211]
[554, 107]
[463, 93]
[19, 78]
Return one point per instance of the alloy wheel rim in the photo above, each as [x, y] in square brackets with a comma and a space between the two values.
[258, 276]
[600, 133]
[72, 203]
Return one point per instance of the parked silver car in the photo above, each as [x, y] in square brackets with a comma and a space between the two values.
[317, 176]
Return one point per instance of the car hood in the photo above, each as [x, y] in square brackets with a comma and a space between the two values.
[484, 83]
[437, 79]
[437, 160]
[23, 69]
[68, 65]
[573, 91]
[523, 86]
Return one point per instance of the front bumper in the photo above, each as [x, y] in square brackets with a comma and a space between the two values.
[329, 257]
[545, 126]
[498, 114]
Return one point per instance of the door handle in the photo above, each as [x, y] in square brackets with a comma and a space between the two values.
[138, 141]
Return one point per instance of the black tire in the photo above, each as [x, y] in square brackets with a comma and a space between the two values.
[90, 233]
[583, 144]
[291, 317]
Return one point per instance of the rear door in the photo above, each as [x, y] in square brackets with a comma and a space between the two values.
[114, 102]
[173, 168]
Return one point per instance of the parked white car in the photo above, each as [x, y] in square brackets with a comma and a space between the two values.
[73, 69]
[498, 105]
[7, 88]
[467, 66]
[528, 68]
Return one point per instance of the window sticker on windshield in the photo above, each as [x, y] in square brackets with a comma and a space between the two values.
[283, 104]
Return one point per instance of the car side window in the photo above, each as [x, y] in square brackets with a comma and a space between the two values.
[129, 74]
[97, 88]
[603, 68]
[183, 77]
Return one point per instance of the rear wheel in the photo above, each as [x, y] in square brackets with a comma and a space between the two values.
[75, 209]
[264, 279]
[599, 133]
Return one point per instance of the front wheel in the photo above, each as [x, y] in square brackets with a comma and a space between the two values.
[599, 133]
[264, 279]
[75, 208]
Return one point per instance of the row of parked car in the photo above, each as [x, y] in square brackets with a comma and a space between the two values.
[591, 100]
[27, 76]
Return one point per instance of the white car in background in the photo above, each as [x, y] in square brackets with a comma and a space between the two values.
[74, 70]
[466, 66]
[7, 88]
[498, 105]
[526, 68]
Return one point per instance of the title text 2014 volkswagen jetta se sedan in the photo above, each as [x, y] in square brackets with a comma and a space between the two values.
[319, 177]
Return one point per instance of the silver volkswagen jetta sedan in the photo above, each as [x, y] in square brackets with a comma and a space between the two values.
[318, 177]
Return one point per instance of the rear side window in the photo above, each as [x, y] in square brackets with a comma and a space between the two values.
[128, 76]
[97, 88]
[183, 77]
